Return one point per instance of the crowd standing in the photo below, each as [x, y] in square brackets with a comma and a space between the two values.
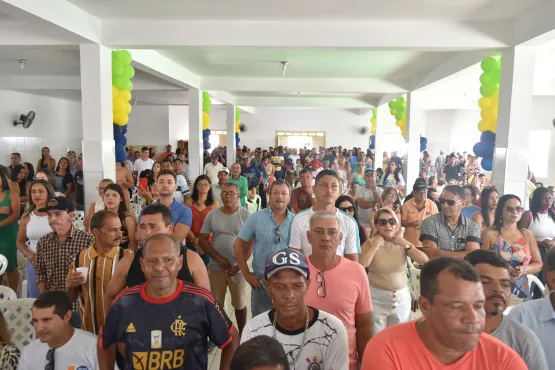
[323, 240]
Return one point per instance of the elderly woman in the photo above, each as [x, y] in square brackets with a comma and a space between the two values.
[385, 255]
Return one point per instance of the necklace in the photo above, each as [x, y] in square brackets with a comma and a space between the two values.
[304, 334]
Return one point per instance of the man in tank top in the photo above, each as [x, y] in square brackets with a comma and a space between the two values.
[155, 219]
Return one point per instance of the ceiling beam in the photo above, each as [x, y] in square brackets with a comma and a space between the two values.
[323, 85]
[162, 67]
[379, 35]
[302, 102]
[59, 16]
[536, 26]
[16, 33]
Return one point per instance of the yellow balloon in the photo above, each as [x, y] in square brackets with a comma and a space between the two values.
[493, 127]
[124, 95]
[127, 108]
[115, 92]
[205, 119]
[483, 125]
[205, 126]
[121, 119]
[373, 120]
[373, 130]
[118, 106]
[489, 113]
[495, 99]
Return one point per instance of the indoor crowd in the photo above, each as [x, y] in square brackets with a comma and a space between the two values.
[346, 266]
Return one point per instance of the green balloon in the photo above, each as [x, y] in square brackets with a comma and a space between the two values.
[130, 86]
[393, 112]
[486, 78]
[117, 69]
[123, 57]
[391, 104]
[400, 100]
[488, 90]
[122, 83]
[496, 77]
[489, 64]
[399, 116]
[128, 72]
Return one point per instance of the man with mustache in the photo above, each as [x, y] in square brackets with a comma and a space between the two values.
[451, 333]
[100, 259]
[494, 274]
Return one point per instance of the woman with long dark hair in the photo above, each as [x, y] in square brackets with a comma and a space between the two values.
[46, 162]
[33, 226]
[392, 176]
[346, 204]
[114, 201]
[29, 176]
[516, 245]
[48, 176]
[64, 178]
[9, 214]
[201, 202]
[18, 176]
[488, 204]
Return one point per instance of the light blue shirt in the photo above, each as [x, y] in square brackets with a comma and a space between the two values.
[539, 316]
[469, 211]
[262, 228]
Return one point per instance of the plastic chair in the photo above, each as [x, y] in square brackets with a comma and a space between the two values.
[24, 289]
[3, 264]
[414, 282]
[6, 293]
[534, 279]
[17, 315]
[78, 219]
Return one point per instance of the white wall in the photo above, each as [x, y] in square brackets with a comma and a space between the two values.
[57, 125]
[179, 124]
[148, 125]
[543, 113]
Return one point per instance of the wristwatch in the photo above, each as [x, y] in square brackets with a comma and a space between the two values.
[408, 247]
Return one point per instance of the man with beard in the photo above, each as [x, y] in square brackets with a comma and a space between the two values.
[451, 333]
[494, 274]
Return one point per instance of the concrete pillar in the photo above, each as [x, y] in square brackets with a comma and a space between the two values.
[230, 141]
[196, 150]
[380, 133]
[510, 161]
[416, 121]
[96, 96]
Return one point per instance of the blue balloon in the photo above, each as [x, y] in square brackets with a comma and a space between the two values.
[487, 164]
[117, 130]
[236, 135]
[123, 129]
[120, 140]
[206, 133]
[372, 137]
[121, 154]
[422, 147]
[488, 137]
[423, 140]
[206, 145]
[372, 146]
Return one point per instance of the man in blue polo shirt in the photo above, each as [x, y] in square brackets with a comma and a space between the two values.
[268, 229]
[182, 216]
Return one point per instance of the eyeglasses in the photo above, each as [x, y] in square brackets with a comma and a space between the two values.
[513, 209]
[228, 193]
[321, 291]
[347, 209]
[385, 221]
[450, 202]
[50, 359]
[277, 238]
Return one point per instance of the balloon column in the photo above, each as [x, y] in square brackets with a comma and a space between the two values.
[373, 128]
[237, 130]
[206, 109]
[423, 143]
[122, 73]
[488, 103]
[398, 109]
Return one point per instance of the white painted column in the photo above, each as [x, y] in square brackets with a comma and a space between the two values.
[510, 162]
[195, 134]
[380, 133]
[230, 141]
[416, 121]
[98, 134]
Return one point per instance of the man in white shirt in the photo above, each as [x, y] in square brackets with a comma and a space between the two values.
[213, 168]
[367, 196]
[294, 157]
[58, 342]
[326, 192]
[143, 163]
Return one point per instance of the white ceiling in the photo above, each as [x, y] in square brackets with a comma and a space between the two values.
[41, 60]
[468, 10]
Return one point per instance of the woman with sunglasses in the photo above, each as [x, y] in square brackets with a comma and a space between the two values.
[390, 199]
[516, 245]
[385, 256]
[346, 204]
[488, 203]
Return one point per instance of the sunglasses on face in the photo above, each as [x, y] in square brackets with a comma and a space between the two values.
[347, 209]
[450, 202]
[385, 221]
[513, 209]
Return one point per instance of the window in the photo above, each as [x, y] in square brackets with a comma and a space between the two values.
[538, 150]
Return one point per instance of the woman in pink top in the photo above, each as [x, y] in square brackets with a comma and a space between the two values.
[339, 286]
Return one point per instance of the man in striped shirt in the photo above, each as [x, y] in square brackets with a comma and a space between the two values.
[93, 268]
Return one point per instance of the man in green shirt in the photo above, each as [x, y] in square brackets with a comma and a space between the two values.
[241, 182]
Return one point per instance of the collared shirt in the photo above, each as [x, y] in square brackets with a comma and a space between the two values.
[181, 214]
[91, 294]
[55, 258]
[539, 316]
[411, 213]
[217, 192]
[212, 171]
[263, 229]
[436, 228]
[451, 172]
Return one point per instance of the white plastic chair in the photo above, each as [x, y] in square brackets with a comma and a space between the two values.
[533, 279]
[414, 282]
[24, 289]
[3, 264]
[17, 315]
[78, 219]
[6, 293]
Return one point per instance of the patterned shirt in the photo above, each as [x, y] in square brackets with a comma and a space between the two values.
[436, 228]
[101, 269]
[9, 357]
[262, 227]
[55, 258]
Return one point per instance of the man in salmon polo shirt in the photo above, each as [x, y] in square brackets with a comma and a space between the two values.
[450, 336]
[339, 286]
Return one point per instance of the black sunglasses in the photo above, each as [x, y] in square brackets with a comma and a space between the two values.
[450, 202]
[347, 209]
[277, 239]
[385, 221]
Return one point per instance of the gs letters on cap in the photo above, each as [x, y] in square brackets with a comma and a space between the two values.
[286, 259]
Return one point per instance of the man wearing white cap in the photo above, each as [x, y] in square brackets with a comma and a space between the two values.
[223, 176]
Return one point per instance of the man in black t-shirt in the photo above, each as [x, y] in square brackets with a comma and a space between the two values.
[165, 323]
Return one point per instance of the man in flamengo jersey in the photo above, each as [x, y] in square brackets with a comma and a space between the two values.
[165, 322]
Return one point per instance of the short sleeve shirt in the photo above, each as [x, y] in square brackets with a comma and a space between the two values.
[437, 229]
[411, 213]
[367, 195]
[181, 214]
